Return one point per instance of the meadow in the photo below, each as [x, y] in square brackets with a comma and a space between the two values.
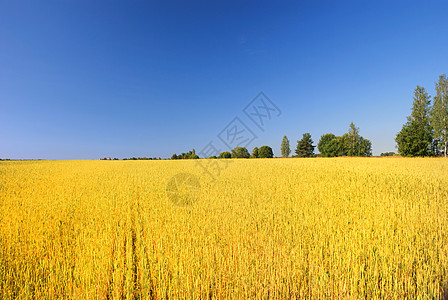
[265, 229]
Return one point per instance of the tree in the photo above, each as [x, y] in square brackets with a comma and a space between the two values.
[356, 144]
[240, 152]
[353, 140]
[415, 138]
[305, 146]
[337, 146]
[265, 152]
[285, 149]
[190, 155]
[255, 153]
[225, 154]
[387, 154]
[323, 143]
[439, 115]
[364, 147]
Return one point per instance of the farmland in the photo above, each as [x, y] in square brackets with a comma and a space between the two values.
[264, 228]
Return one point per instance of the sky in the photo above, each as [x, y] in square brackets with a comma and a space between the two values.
[88, 79]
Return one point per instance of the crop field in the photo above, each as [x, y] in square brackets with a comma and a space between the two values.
[263, 229]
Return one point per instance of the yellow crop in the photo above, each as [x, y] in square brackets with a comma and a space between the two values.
[265, 228]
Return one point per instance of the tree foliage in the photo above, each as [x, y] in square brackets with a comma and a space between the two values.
[240, 152]
[265, 152]
[324, 141]
[439, 115]
[225, 154]
[190, 155]
[255, 153]
[285, 148]
[416, 136]
[305, 146]
[350, 144]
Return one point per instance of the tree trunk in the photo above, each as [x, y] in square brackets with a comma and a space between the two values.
[445, 149]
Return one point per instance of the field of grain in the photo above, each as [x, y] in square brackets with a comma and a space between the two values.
[265, 228]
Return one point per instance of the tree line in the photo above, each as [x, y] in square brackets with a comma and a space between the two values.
[426, 131]
[330, 145]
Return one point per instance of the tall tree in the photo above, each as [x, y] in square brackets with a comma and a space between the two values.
[285, 149]
[353, 140]
[305, 146]
[439, 115]
[415, 138]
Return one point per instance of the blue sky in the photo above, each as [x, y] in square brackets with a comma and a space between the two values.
[88, 79]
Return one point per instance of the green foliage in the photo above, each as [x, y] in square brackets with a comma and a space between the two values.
[416, 136]
[240, 152]
[213, 157]
[190, 155]
[136, 158]
[225, 154]
[364, 147]
[353, 140]
[305, 146]
[255, 153]
[285, 148]
[414, 139]
[323, 144]
[337, 147]
[265, 152]
[388, 154]
[439, 116]
[350, 144]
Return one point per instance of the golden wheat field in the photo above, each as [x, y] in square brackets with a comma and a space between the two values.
[264, 229]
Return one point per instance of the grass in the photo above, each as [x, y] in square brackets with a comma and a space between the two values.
[265, 228]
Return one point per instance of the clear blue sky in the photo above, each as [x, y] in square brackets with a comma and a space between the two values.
[87, 79]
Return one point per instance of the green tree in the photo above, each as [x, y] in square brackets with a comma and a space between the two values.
[353, 140]
[337, 146]
[439, 115]
[305, 146]
[388, 154]
[240, 152]
[255, 153]
[415, 138]
[364, 147]
[225, 154]
[285, 149]
[323, 143]
[265, 152]
[356, 144]
[192, 155]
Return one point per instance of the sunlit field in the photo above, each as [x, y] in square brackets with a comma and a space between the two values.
[265, 229]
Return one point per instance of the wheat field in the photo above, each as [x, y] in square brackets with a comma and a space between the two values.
[263, 229]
